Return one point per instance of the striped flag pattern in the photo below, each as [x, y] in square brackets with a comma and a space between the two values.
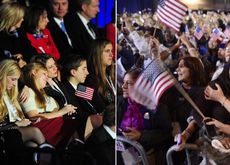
[151, 84]
[84, 92]
[171, 13]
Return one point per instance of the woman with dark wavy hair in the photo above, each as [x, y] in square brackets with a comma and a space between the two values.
[36, 37]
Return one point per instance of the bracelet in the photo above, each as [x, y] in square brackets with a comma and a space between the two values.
[225, 98]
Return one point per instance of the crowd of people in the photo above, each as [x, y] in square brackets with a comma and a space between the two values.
[50, 51]
[58, 90]
[198, 57]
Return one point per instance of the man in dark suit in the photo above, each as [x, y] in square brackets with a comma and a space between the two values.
[101, 142]
[58, 9]
[78, 26]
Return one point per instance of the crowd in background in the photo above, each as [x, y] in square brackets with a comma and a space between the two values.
[198, 57]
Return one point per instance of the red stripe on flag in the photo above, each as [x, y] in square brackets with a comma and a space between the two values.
[87, 94]
[172, 13]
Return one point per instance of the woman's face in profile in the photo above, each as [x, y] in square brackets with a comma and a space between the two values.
[11, 81]
[43, 21]
[41, 78]
[127, 84]
[18, 25]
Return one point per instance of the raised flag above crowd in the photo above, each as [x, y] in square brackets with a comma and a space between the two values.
[171, 13]
[151, 84]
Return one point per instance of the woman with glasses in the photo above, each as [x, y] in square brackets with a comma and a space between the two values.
[136, 122]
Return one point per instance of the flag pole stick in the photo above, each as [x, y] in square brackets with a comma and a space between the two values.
[154, 32]
[186, 96]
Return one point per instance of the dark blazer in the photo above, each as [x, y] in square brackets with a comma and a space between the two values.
[80, 38]
[57, 95]
[60, 39]
[10, 45]
[83, 109]
[102, 146]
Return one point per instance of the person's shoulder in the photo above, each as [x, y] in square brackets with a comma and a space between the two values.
[70, 16]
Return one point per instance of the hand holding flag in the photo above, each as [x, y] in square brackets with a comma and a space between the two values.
[151, 84]
[198, 33]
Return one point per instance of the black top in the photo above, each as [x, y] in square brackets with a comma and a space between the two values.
[60, 39]
[10, 45]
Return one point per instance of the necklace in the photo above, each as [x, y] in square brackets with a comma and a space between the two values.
[109, 81]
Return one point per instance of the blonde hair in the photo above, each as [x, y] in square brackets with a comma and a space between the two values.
[31, 82]
[9, 68]
[10, 14]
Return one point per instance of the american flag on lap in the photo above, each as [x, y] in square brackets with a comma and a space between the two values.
[151, 84]
[84, 92]
[171, 13]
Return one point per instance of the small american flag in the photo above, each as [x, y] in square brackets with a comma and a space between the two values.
[84, 92]
[186, 31]
[215, 34]
[171, 13]
[151, 84]
[198, 33]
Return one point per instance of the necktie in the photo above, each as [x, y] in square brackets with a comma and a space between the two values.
[63, 27]
[90, 26]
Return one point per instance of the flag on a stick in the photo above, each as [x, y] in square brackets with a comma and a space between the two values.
[84, 92]
[198, 33]
[171, 13]
[151, 84]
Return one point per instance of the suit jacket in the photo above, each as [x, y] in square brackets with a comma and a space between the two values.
[102, 146]
[10, 45]
[57, 95]
[80, 38]
[83, 109]
[60, 39]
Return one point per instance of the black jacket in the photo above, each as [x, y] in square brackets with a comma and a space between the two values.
[80, 38]
[60, 39]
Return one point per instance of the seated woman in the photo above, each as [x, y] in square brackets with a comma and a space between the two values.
[11, 16]
[136, 122]
[11, 115]
[36, 37]
[53, 125]
[10, 108]
[101, 74]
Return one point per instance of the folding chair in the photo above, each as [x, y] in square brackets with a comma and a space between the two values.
[133, 150]
[173, 149]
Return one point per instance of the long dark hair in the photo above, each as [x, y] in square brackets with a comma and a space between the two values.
[95, 65]
[196, 70]
[32, 18]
